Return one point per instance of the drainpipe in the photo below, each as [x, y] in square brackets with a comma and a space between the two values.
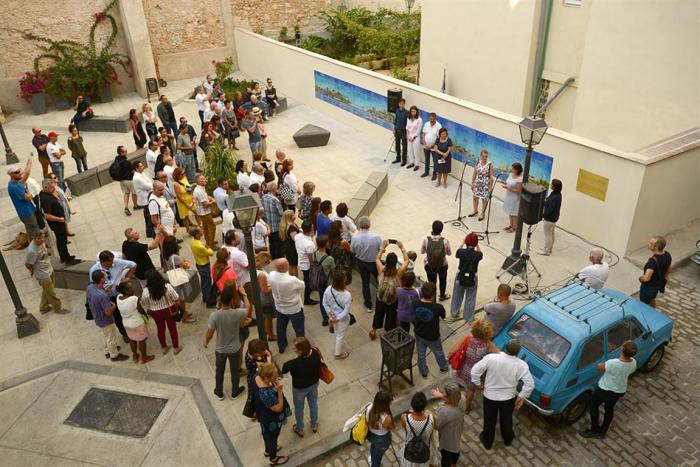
[542, 37]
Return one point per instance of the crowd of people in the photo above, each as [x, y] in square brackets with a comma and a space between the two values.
[296, 230]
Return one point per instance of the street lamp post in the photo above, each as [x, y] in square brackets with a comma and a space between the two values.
[10, 156]
[245, 206]
[532, 130]
[409, 5]
[26, 323]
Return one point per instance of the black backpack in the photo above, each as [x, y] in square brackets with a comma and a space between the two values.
[115, 170]
[317, 275]
[417, 450]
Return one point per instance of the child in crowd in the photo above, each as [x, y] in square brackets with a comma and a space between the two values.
[412, 256]
[405, 295]
[280, 156]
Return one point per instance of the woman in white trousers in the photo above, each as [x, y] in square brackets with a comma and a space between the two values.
[413, 129]
[336, 301]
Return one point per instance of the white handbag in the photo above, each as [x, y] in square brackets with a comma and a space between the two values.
[177, 276]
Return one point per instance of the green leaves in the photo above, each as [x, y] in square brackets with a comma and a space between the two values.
[220, 162]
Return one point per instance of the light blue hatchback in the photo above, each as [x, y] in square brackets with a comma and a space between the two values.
[566, 333]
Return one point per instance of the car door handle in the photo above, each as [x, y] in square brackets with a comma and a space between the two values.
[571, 382]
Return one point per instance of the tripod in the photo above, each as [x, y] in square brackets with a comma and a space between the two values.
[485, 233]
[391, 149]
[522, 266]
[458, 222]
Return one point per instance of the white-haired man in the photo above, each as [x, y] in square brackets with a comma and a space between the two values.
[596, 274]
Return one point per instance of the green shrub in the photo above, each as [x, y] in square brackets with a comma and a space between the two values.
[315, 44]
[220, 162]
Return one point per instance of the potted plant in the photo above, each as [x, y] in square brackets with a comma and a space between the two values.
[31, 88]
[220, 162]
[223, 68]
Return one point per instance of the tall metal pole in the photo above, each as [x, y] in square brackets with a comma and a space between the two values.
[10, 156]
[515, 252]
[262, 335]
[26, 323]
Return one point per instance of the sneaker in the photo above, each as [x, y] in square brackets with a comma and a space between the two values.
[127, 212]
[444, 370]
[120, 358]
[543, 252]
[237, 392]
[369, 309]
[415, 169]
[107, 354]
[403, 164]
[331, 330]
[219, 396]
[452, 319]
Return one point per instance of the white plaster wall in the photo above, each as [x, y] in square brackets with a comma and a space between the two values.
[607, 223]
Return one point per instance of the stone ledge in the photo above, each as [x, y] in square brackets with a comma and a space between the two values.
[368, 195]
[105, 123]
[97, 177]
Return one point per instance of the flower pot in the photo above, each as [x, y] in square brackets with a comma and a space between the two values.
[106, 93]
[38, 101]
[61, 102]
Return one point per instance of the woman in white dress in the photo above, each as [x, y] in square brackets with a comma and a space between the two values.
[419, 422]
[511, 201]
[413, 129]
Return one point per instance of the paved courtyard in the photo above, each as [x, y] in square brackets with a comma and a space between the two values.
[406, 212]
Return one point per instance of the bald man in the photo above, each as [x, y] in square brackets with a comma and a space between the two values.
[159, 209]
[286, 291]
[137, 252]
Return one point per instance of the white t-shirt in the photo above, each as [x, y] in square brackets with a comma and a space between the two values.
[431, 133]
[349, 227]
[200, 197]
[151, 158]
[129, 311]
[220, 195]
[227, 221]
[291, 180]
[259, 234]
[239, 263]
[147, 116]
[243, 181]
[208, 114]
[167, 216]
[202, 102]
[595, 275]
[54, 152]
[168, 170]
[255, 178]
[285, 291]
[208, 87]
[143, 185]
[305, 247]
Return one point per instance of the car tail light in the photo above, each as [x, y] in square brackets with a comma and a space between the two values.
[545, 400]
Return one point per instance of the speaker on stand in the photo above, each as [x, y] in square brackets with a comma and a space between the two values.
[531, 206]
[393, 96]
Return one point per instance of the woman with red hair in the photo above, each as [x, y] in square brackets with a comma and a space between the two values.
[466, 281]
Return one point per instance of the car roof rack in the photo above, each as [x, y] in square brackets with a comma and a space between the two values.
[580, 302]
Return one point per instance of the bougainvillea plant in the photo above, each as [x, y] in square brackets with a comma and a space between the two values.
[32, 82]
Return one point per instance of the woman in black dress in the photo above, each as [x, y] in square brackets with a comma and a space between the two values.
[137, 129]
[288, 230]
[271, 97]
[442, 154]
[271, 408]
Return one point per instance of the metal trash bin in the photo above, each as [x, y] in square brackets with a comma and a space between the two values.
[397, 356]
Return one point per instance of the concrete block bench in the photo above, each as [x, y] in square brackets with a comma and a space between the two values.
[368, 195]
[281, 105]
[311, 136]
[105, 123]
[97, 177]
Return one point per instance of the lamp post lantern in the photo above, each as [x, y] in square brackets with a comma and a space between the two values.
[532, 130]
[245, 206]
[26, 323]
[409, 5]
[10, 156]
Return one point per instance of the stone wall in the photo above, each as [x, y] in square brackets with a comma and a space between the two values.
[179, 26]
[269, 17]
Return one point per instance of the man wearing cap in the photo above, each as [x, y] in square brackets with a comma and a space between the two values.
[55, 217]
[56, 153]
[250, 123]
[167, 115]
[39, 141]
[21, 197]
[38, 263]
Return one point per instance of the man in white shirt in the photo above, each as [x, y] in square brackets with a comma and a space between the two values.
[238, 260]
[56, 153]
[428, 137]
[151, 158]
[503, 373]
[168, 169]
[306, 247]
[256, 176]
[221, 194]
[596, 274]
[285, 291]
[203, 203]
[202, 100]
[143, 184]
[160, 210]
[208, 84]
[209, 112]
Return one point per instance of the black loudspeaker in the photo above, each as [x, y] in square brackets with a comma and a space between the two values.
[393, 96]
[532, 203]
[152, 85]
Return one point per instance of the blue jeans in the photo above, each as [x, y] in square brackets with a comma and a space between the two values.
[255, 147]
[297, 320]
[298, 395]
[378, 446]
[81, 163]
[205, 282]
[436, 347]
[186, 161]
[172, 127]
[57, 169]
[366, 269]
[464, 294]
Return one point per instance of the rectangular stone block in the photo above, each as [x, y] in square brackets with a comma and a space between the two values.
[195, 286]
[365, 192]
[357, 208]
[138, 155]
[76, 277]
[380, 181]
[83, 182]
[59, 280]
[105, 123]
[281, 104]
[103, 173]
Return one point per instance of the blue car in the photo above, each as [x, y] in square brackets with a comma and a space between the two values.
[566, 333]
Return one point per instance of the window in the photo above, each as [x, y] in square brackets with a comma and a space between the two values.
[540, 340]
[591, 353]
[626, 331]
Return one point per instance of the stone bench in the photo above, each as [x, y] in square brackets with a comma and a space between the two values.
[281, 105]
[105, 123]
[76, 277]
[311, 136]
[368, 195]
[96, 177]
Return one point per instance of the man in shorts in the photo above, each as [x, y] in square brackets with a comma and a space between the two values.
[126, 180]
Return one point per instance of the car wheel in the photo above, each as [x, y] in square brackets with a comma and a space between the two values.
[575, 410]
[654, 359]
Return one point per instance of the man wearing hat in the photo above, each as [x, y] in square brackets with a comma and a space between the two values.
[39, 266]
[466, 280]
[21, 198]
[56, 152]
[250, 124]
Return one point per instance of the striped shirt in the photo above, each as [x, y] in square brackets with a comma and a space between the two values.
[273, 211]
[166, 301]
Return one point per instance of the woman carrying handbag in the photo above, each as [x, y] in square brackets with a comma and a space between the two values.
[160, 300]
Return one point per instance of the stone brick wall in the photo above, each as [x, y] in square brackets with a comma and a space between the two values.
[270, 16]
[184, 25]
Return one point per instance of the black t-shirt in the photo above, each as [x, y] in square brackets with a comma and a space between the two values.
[468, 255]
[660, 264]
[427, 324]
[138, 253]
[304, 370]
[50, 205]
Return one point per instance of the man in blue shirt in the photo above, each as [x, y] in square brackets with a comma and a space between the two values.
[114, 270]
[323, 222]
[400, 141]
[21, 198]
[103, 310]
[365, 245]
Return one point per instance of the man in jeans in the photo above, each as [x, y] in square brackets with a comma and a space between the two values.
[21, 197]
[306, 247]
[39, 266]
[285, 291]
[436, 249]
[185, 152]
[611, 387]
[167, 115]
[56, 153]
[365, 245]
[115, 271]
[400, 140]
[427, 328]
[226, 323]
[102, 310]
[273, 213]
[429, 135]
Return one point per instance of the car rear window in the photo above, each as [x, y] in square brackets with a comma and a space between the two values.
[540, 340]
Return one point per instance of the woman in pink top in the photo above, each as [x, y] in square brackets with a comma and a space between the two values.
[221, 272]
[413, 129]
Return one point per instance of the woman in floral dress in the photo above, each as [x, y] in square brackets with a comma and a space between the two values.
[482, 180]
[272, 410]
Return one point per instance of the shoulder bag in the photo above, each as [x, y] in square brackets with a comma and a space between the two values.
[324, 373]
[177, 276]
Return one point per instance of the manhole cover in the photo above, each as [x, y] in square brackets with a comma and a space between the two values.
[116, 412]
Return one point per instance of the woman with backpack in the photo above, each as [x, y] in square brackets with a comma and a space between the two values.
[466, 280]
[337, 300]
[380, 424]
[419, 425]
[322, 264]
[340, 250]
[389, 276]
[436, 249]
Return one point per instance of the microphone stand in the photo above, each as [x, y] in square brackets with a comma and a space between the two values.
[485, 233]
[458, 222]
